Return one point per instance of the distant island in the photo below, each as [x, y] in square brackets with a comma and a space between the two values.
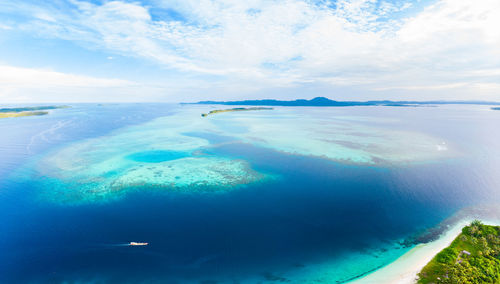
[234, 109]
[495, 108]
[24, 113]
[473, 257]
[27, 111]
[325, 102]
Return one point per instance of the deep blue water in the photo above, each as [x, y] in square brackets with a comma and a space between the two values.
[318, 210]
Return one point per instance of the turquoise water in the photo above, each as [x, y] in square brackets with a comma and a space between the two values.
[218, 203]
[157, 156]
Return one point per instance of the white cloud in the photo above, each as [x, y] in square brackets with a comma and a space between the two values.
[39, 78]
[5, 27]
[44, 17]
[288, 43]
[24, 84]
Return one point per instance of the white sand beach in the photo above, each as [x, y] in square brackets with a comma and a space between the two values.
[404, 270]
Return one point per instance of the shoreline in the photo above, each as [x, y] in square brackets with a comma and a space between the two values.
[405, 269]
[22, 114]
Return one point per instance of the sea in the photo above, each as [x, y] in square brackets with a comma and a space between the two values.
[300, 218]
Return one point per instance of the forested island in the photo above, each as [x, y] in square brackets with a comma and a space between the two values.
[235, 109]
[473, 257]
[27, 111]
[325, 102]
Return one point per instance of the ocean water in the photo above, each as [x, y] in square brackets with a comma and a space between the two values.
[237, 197]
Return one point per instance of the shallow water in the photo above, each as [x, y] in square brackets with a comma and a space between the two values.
[157, 156]
[300, 218]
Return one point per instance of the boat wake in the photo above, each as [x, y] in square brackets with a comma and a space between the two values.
[130, 244]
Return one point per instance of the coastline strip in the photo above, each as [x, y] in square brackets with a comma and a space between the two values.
[404, 269]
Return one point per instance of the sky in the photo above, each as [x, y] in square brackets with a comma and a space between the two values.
[187, 50]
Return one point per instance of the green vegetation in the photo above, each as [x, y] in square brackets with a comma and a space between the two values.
[473, 257]
[27, 111]
[235, 109]
[23, 113]
[21, 109]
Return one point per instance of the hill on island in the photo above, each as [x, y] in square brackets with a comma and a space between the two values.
[325, 102]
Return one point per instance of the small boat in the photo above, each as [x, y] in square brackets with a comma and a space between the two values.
[137, 244]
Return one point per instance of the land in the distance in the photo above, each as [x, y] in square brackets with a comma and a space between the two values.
[234, 109]
[27, 111]
[473, 257]
[325, 102]
[495, 108]
[20, 114]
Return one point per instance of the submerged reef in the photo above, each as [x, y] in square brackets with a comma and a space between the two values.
[186, 175]
[155, 155]
[189, 174]
[172, 153]
[352, 139]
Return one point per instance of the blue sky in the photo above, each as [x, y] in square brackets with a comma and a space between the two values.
[186, 50]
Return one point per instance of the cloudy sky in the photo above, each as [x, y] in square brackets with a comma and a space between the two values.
[187, 50]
